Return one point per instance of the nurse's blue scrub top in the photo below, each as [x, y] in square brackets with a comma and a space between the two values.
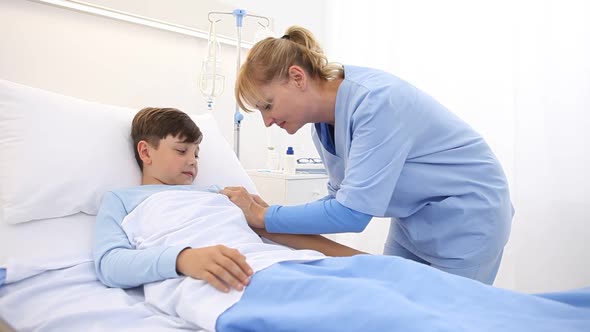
[396, 152]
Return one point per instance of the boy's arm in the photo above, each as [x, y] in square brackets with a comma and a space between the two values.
[314, 242]
[116, 262]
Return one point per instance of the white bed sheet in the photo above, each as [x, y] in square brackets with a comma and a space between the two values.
[34, 247]
[72, 299]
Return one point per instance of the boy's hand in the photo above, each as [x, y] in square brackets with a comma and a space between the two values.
[218, 265]
[253, 206]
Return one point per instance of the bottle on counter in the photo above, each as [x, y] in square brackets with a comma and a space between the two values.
[290, 162]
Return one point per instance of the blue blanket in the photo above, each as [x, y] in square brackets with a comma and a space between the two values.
[383, 293]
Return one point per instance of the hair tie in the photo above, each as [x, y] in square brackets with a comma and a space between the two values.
[287, 37]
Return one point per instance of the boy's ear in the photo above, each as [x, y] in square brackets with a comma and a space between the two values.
[143, 149]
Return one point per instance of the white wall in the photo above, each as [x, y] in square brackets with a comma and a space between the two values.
[517, 71]
[98, 58]
[552, 157]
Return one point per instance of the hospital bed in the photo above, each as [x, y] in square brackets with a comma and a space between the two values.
[58, 155]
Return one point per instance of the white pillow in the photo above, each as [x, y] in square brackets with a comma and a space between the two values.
[218, 164]
[59, 155]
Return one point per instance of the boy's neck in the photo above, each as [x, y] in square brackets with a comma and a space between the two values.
[146, 179]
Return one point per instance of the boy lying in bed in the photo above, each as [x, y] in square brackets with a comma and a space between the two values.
[194, 253]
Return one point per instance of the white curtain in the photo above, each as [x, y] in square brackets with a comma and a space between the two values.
[519, 73]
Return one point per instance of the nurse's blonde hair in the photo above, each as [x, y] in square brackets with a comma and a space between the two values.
[269, 60]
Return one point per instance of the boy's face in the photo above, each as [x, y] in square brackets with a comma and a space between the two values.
[174, 162]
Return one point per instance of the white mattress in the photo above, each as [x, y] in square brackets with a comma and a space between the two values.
[72, 299]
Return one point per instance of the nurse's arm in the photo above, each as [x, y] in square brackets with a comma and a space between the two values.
[313, 242]
[305, 241]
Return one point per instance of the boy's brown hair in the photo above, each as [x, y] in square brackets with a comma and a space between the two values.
[152, 124]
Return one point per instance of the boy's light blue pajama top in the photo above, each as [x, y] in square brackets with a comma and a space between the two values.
[396, 152]
[117, 262]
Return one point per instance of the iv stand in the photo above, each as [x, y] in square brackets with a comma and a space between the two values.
[239, 14]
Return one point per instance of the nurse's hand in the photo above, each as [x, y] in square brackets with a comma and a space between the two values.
[253, 206]
[259, 200]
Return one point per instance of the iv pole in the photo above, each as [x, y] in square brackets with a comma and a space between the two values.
[239, 14]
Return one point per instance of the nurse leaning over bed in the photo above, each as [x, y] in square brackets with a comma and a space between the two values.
[390, 150]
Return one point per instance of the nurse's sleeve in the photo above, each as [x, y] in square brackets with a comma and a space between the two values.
[384, 127]
[324, 216]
